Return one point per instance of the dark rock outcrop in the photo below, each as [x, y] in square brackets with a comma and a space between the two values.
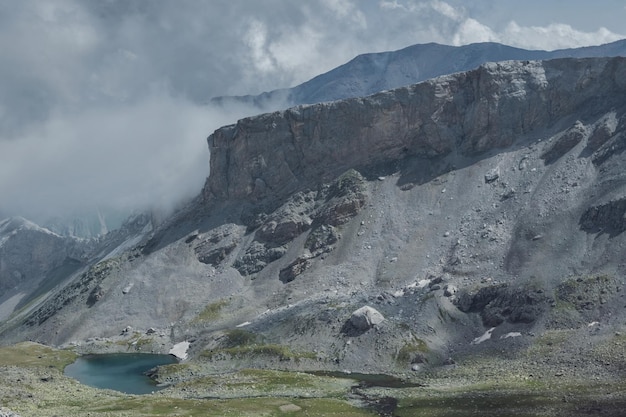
[297, 267]
[499, 303]
[566, 142]
[607, 218]
[213, 248]
[319, 212]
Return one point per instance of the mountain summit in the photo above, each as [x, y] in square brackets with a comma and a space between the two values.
[370, 73]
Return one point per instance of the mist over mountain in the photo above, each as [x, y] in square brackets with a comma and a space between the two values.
[369, 73]
[86, 206]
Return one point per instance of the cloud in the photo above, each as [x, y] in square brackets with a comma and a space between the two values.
[554, 36]
[347, 11]
[147, 154]
[256, 39]
[104, 102]
[472, 31]
[460, 29]
[448, 11]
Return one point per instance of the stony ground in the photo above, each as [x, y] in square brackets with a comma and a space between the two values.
[497, 383]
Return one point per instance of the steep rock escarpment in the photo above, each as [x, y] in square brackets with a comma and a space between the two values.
[274, 155]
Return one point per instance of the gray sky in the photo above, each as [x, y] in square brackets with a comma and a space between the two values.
[102, 102]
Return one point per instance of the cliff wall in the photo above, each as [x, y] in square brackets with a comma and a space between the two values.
[272, 155]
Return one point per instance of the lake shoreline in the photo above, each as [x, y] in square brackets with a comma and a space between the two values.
[32, 383]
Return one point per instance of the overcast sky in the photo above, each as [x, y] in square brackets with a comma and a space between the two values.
[103, 102]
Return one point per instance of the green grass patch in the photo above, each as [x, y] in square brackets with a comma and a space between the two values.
[211, 312]
[583, 292]
[413, 352]
[253, 407]
[548, 343]
[281, 352]
[543, 399]
[239, 337]
[30, 354]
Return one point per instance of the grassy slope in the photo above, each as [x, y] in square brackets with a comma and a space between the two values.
[32, 384]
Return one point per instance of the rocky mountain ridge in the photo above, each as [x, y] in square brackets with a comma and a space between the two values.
[470, 113]
[471, 211]
[370, 73]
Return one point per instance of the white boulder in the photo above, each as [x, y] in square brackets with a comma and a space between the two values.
[365, 318]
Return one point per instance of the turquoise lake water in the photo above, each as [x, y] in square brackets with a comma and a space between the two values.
[119, 371]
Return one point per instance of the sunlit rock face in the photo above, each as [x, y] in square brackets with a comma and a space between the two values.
[274, 155]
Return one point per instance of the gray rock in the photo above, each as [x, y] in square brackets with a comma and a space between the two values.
[492, 175]
[565, 143]
[257, 256]
[607, 218]
[449, 290]
[365, 318]
[297, 267]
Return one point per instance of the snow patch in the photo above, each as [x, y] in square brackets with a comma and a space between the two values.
[485, 336]
[180, 350]
[511, 334]
[423, 283]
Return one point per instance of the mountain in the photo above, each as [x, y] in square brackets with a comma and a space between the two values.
[35, 261]
[364, 75]
[370, 73]
[471, 218]
[32, 257]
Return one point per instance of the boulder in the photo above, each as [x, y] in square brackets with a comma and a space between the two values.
[297, 267]
[566, 142]
[450, 290]
[365, 318]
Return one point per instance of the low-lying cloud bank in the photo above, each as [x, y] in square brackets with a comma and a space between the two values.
[151, 153]
[103, 103]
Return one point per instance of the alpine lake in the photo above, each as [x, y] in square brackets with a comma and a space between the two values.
[124, 372]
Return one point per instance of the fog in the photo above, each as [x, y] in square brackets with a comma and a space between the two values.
[104, 104]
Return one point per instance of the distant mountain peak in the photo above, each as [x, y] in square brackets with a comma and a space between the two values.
[367, 74]
[12, 224]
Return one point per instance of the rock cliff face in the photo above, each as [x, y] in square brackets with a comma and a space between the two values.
[487, 203]
[271, 156]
